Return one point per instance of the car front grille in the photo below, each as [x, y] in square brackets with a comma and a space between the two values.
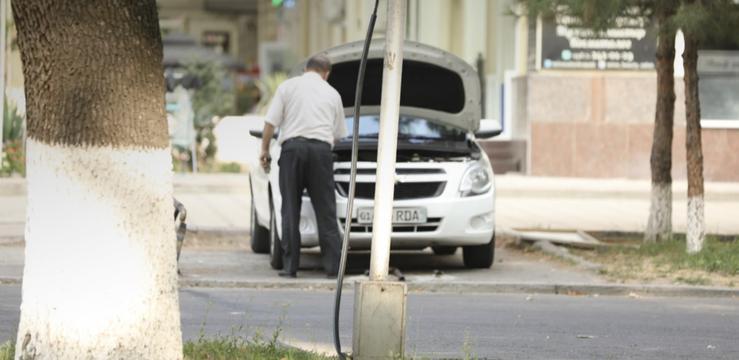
[402, 171]
[430, 225]
[403, 191]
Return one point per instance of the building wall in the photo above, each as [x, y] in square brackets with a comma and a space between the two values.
[465, 28]
[309, 26]
[585, 124]
[601, 124]
[191, 17]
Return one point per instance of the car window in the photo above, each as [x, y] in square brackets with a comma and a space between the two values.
[409, 128]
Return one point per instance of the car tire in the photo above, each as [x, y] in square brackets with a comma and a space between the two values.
[275, 248]
[259, 234]
[479, 256]
[444, 250]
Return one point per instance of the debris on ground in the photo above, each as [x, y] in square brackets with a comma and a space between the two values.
[397, 273]
[555, 243]
[564, 253]
[577, 239]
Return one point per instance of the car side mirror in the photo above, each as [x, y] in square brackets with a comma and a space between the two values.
[487, 134]
[259, 133]
[489, 128]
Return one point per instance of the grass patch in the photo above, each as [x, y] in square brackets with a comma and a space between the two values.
[628, 259]
[717, 256]
[7, 350]
[223, 348]
[237, 348]
[231, 167]
[238, 345]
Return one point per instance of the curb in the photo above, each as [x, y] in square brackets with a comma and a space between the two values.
[469, 287]
[487, 288]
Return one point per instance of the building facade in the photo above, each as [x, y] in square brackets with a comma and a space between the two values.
[565, 111]
[594, 117]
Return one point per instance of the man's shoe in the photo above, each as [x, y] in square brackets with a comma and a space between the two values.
[287, 274]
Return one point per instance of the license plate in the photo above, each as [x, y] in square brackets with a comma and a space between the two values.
[400, 215]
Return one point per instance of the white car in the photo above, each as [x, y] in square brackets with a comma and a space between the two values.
[444, 190]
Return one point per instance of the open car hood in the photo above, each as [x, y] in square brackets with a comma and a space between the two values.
[436, 85]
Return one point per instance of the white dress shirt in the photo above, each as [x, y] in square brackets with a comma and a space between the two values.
[307, 106]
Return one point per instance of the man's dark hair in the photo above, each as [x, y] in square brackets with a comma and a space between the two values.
[318, 63]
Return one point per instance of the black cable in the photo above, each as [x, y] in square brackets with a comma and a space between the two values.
[352, 180]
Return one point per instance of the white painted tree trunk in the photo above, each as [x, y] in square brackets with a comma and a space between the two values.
[660, 214]
[693, 145]
[696, 232]
[100, 278]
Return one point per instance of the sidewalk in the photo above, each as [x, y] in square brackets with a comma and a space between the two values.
[221, 202]
[604, 204]
[217, 255]
[213, 201]
[424, 272]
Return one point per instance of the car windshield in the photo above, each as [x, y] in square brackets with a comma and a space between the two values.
[409, 128]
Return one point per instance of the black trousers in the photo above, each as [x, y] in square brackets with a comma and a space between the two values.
[308, 164]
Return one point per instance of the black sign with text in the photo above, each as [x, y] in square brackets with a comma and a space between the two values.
[629, 45]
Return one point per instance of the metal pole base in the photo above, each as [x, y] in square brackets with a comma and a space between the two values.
[379, 320]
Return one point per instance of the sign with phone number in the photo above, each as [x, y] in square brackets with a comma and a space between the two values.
[629, 45]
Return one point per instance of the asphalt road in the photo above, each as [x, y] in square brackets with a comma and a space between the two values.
[496, 326]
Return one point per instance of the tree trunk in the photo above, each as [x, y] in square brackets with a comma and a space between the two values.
[693, 146]
[100, 272]
[659, 226]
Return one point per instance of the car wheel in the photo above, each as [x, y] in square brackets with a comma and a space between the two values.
[479, 256]
[444, 250]
[275, 248]
[259, 234]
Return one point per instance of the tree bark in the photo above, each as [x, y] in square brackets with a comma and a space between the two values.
[693, 145]
[100, 271]
[659, 226]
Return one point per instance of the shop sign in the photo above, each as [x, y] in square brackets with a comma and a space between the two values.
[565, 44]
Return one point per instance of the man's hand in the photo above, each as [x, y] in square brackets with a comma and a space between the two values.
[265, 160]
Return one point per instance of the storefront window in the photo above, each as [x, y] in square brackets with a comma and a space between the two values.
[718, 71]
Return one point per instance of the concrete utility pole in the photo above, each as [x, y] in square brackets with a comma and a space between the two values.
[379, 307]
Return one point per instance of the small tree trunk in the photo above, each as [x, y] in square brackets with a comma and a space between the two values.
[696, 225]
[100, 274]
[659, 226]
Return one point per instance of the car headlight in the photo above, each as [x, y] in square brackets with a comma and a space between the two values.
[476, 180]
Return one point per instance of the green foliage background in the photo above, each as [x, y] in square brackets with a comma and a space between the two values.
[210, 99]
[14, 159]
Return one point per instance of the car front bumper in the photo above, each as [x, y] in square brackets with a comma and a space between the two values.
[452, 221]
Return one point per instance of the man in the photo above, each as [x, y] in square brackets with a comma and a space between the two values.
[310, 116]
